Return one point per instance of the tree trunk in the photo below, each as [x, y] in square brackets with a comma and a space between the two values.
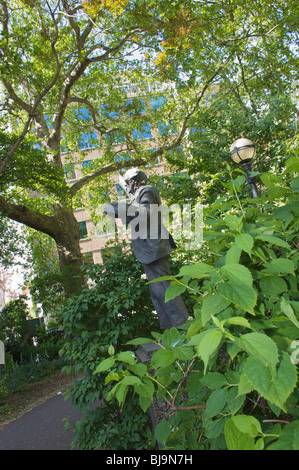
[67, 239]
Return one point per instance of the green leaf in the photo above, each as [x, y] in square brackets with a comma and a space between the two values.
[238, 289]
[245, 242]
[112, 392]
[244, 386]
[211, 305]
[277, 192]
[138, 341]
[146, 389]
[270, 179]
[162, 431]
[261, 347]
[234, 400]
[238, 321]
[213, 380]
[276, 387]
[106, 364]
[232, 349]
[288, 439]
[280, 265]
[208, 344]
[112, 376]
[236, 438]
[174, 290]
[131, 380]
[292, 165]
[289, 312]
[273, 240]
[144, 402]
[295, 184]
[162, 358]
[127, 356]
[237, 272]
[242, 295]
[214, 428]
[273, 285]
[193, 329]
[197, 270]
[233, 222]
[247, 424]
[163, 278]
[139, 369]
[121, 393]
[239, 181]
[216, 402]
[170, 337]
[184, 353]
[233, 254]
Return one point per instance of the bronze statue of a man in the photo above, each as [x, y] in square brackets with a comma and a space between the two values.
[152, 243]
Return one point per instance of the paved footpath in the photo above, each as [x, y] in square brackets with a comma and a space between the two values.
[41, 428]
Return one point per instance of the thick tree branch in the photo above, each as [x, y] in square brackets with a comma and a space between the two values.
[73, 24]
[111, 168]
[14, 97]
[23, 215]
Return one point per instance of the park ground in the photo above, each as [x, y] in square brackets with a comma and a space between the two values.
[35, 394]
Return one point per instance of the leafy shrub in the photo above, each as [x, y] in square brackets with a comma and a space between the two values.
[229, 376]
[16, 377]
[14, 329]
[49, 342]
[3, 392]
[13, 318]
[97, 323]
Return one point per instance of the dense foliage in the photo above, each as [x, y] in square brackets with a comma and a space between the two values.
[229, 377]
[31, 351]
[116, 307]
[132, 82]
[14, 328]
[202, 74]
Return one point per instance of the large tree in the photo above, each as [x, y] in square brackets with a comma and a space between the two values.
[64, 68]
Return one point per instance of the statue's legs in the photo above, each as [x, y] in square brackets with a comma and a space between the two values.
[174, 312]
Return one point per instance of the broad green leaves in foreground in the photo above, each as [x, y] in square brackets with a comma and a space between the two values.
[227, 379]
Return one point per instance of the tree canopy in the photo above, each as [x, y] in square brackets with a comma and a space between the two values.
[67, 67]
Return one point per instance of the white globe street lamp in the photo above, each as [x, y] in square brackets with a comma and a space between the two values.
[242, 152]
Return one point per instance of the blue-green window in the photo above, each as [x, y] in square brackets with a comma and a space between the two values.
[83, 230]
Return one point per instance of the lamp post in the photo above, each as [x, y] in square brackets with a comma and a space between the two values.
[242, 151]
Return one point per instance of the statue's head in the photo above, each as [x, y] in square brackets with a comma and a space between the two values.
[134, 178]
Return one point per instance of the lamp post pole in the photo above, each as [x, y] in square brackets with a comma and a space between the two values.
[250, 179]
[242, 151]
